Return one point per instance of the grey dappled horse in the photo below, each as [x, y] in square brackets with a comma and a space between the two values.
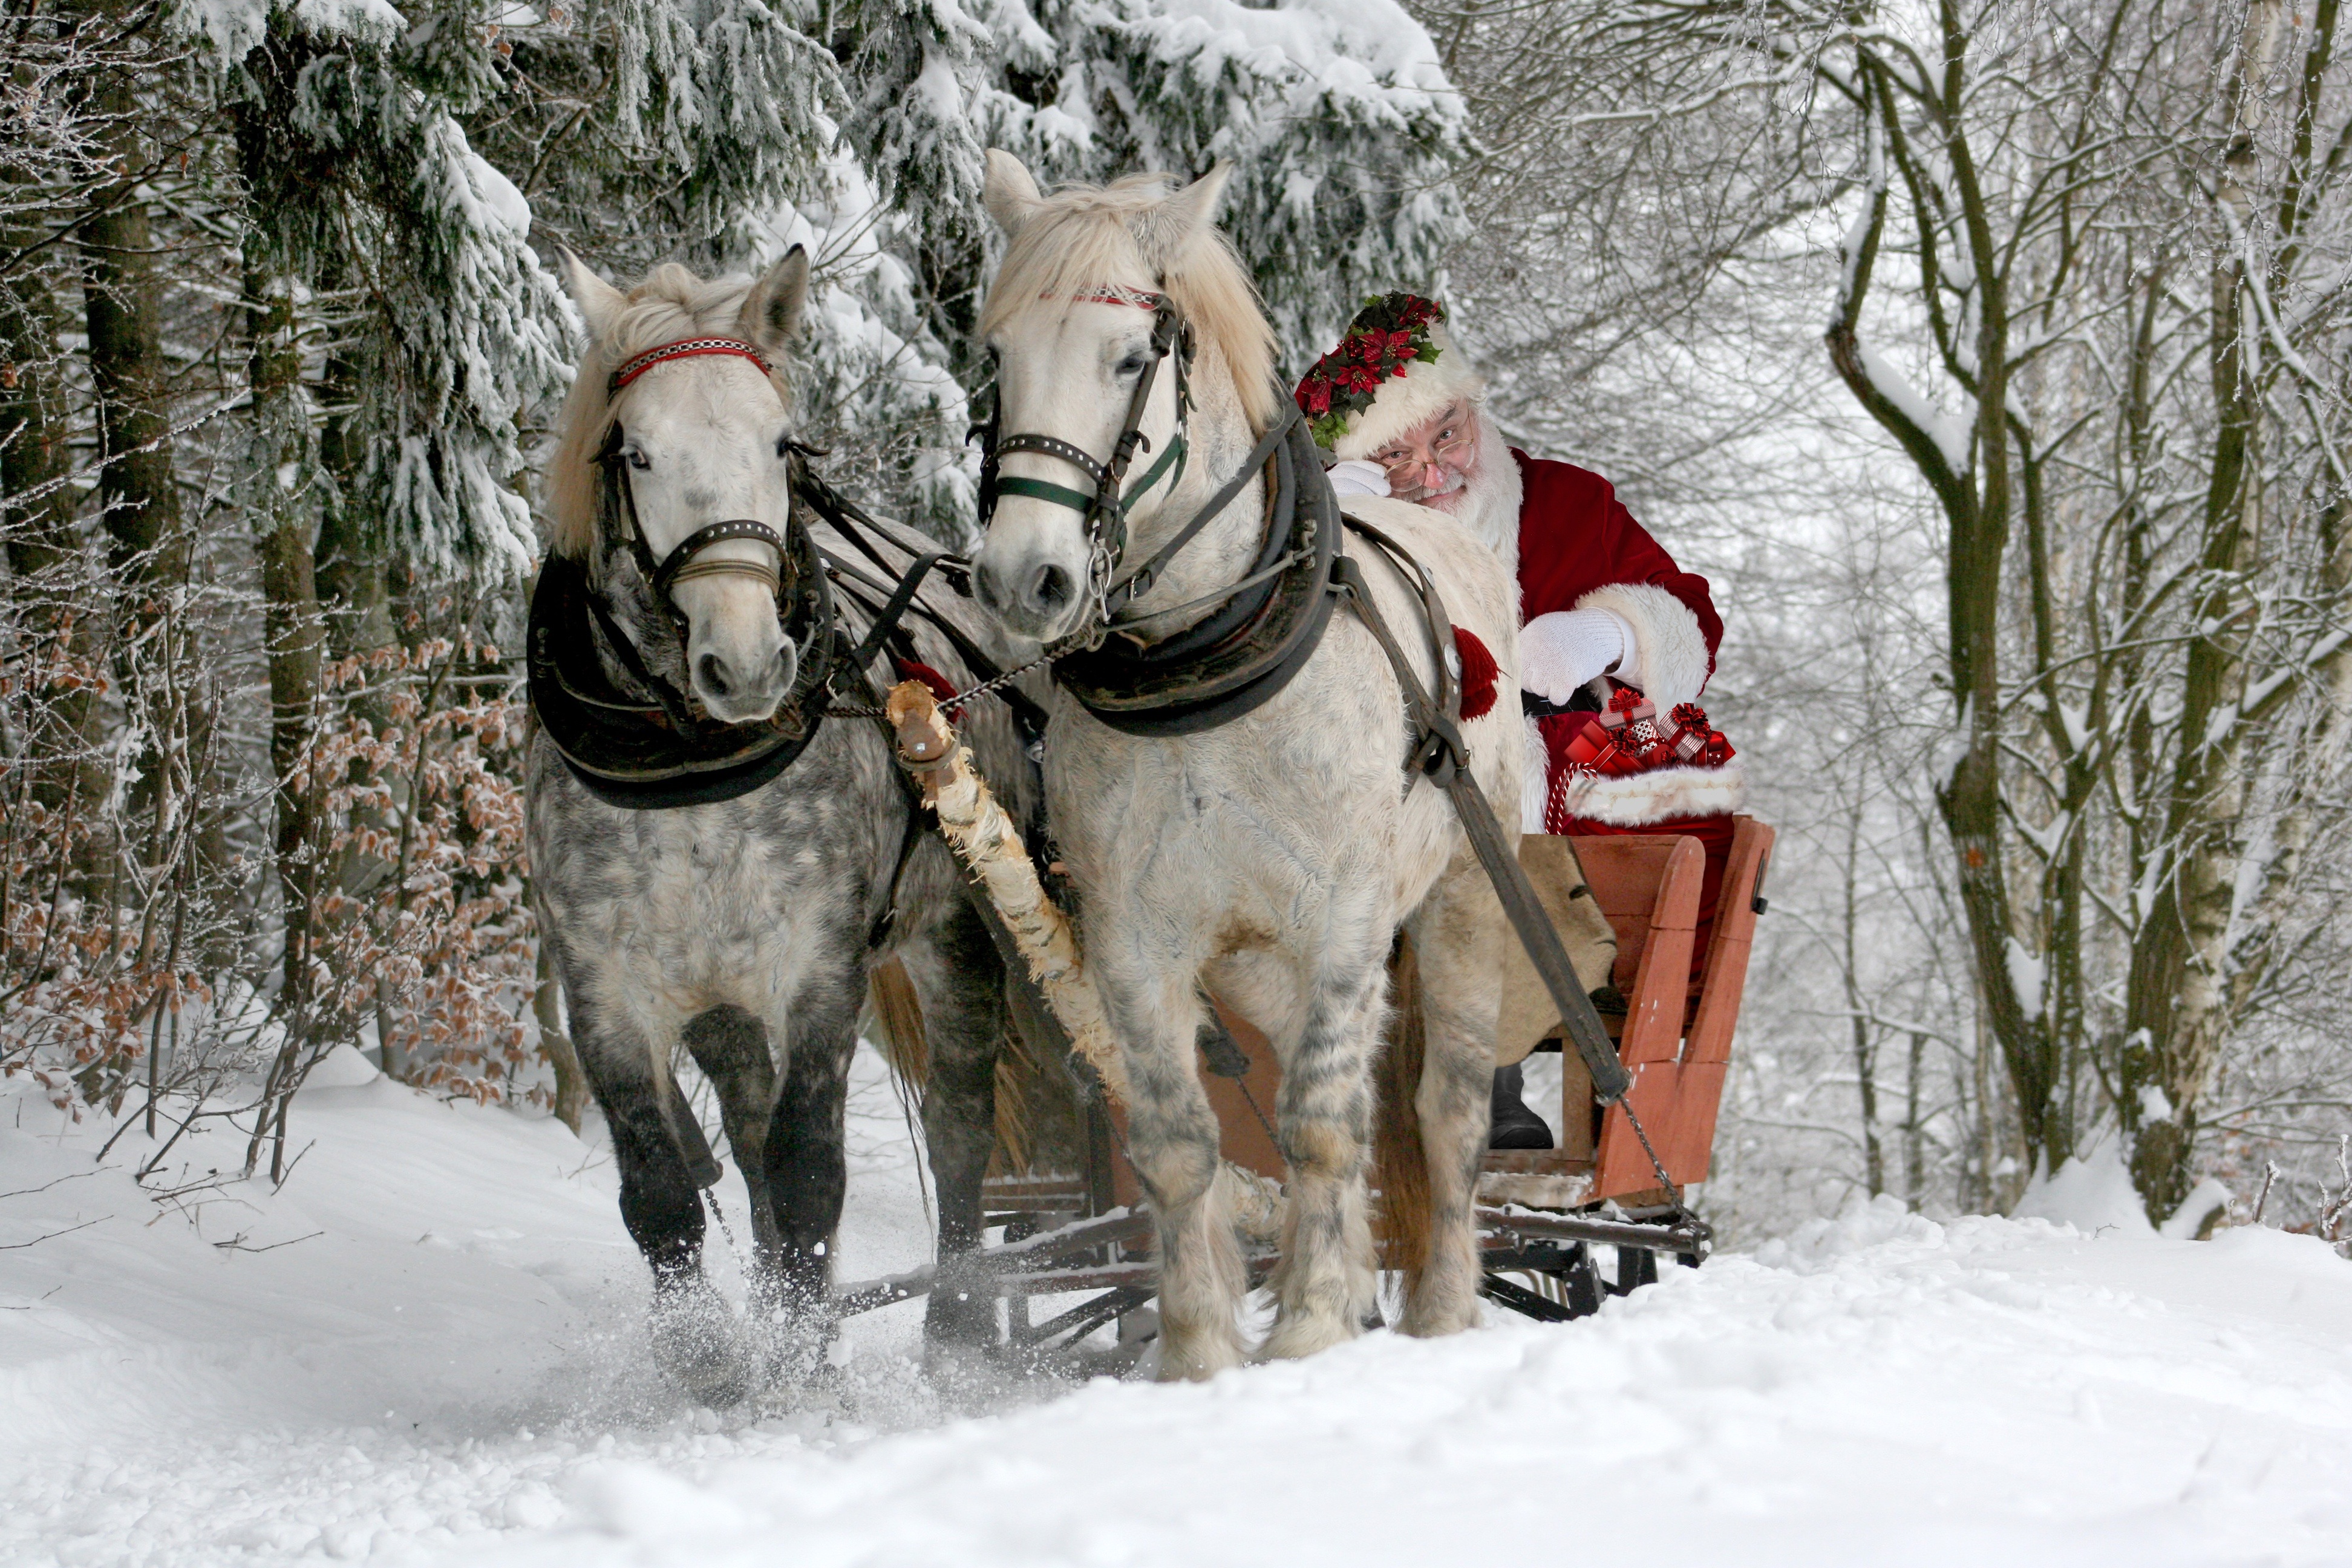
[1272, 858]
[742, 930]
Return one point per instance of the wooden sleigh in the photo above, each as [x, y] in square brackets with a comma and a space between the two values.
[1542, 1212]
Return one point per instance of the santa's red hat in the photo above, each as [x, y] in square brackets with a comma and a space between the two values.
[1396, 367]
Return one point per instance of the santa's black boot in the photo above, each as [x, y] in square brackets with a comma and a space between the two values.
[1515, 1126]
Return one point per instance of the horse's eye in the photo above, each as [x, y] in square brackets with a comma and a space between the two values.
[1131, 365]
[637, 459]
[783, 446]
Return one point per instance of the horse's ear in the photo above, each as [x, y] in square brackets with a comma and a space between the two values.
[1165, 232]
[771, 310]
[1009, 194]
[598, 301]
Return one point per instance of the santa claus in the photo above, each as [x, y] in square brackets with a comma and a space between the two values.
[1616, 642]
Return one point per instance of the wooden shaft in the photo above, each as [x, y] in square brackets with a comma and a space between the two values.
[991, 845]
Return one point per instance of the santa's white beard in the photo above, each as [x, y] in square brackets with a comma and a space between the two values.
[1487, 501]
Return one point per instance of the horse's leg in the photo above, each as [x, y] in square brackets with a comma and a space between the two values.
[961, 982]
[693, 1330]
[730, 1047]
[1457, 936]
[807, 1160]
[1328, 1286]
[1172, 1137]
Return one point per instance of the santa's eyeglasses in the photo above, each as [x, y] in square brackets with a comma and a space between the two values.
[1452, 446]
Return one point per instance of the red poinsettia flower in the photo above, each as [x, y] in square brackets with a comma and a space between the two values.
[1315, 395]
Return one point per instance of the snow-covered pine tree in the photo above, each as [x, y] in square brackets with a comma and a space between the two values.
[1336, 113]
[359, 177]
[648, 129]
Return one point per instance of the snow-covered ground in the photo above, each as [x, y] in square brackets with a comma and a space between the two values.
[438, 1358]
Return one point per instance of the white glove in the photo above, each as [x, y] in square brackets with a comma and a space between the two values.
[1357, 478]
[1569, 648]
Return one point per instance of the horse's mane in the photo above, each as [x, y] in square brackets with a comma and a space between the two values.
[671, 303]
[1082, 237]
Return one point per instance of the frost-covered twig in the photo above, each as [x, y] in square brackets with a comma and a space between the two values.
[20, 1246]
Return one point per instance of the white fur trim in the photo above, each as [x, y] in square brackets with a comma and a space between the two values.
[1669, 659]
[1663, 794]
[1534, 1190]
[1423, 393]
[1534, 785]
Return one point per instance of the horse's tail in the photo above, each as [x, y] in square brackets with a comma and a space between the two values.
[1400, 1162]
[894, 1023]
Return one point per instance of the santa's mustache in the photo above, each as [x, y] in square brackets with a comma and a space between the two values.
[1455, 480]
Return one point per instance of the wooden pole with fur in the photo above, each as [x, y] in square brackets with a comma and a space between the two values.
[991, 845]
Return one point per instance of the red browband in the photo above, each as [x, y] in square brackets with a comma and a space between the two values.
[687, 348]
[1119, 294]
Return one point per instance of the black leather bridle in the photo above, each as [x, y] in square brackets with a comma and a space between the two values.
[1105, 508]
[642, 744]
[680, 565]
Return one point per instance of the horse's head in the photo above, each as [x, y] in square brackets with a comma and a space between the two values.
[684, 443]
[1070, 321]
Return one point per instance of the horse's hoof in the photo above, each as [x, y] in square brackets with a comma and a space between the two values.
[1304, 1335]
[959, 1318]
[1194, 1358]
[697, 1343]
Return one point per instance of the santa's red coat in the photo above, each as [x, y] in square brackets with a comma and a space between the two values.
[1576, 536]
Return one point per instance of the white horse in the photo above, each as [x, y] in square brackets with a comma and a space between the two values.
[1274, 858]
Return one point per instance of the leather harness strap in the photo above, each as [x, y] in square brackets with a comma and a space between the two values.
[1437, 750]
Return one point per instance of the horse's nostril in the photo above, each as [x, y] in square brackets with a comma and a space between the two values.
[712, 672]
[1051, 589]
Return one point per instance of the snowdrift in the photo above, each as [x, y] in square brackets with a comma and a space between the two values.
[426, 1348]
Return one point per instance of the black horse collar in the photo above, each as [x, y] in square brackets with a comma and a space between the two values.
[644, 745]
[1241, 655]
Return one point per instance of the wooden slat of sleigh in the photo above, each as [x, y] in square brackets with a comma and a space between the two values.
[1678, 1090]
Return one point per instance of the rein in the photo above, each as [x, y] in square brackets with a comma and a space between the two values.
[1438, 751]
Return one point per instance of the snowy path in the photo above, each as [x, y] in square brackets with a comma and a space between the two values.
[450, 1371]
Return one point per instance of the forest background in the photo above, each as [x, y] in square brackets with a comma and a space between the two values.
[1988, 357]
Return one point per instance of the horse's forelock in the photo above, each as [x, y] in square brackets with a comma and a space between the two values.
[669, 303]
[1083, 237]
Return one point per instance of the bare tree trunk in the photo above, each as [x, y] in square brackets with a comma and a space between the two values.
[1915, 1174]
[280, 460]
[2179, 1007]
[1857, 1015]
[1973, 490]
[44, 554]
[120, 301]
